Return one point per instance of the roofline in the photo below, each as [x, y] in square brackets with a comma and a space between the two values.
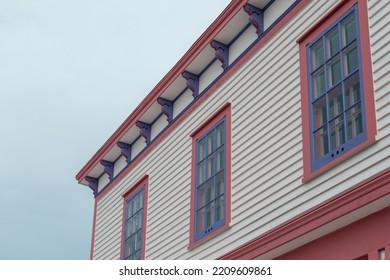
[227, 14]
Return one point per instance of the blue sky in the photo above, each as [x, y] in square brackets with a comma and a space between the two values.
[71, 71]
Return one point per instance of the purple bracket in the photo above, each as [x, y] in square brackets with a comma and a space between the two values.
[192, 82]
[145, 131]
[255, 17]
[221, 52]
[108, 168]
[125, 150]
[166, 107]
[93, 184]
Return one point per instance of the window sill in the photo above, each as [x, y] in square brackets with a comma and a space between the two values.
[192, 245]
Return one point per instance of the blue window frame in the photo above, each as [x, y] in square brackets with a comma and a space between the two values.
[134, 223]
[337, 113]
[210, 194]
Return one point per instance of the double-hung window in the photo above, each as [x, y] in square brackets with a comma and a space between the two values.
[337, 90]
[210, 195]
[134, 222]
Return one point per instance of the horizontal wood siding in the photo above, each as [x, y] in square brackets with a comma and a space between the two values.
[267, 166]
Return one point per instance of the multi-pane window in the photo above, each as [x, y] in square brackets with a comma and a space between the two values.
[133, 226]
[210, 180]
[336, 98]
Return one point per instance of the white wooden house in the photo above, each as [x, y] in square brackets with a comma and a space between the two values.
[269, 139]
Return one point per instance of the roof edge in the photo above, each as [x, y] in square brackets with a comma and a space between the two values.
[226, 15]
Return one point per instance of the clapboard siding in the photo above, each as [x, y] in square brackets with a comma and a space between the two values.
[267, 165]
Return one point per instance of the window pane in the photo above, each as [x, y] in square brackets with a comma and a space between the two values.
[351, 62]
[352, 90]
[210, 190]
[332, 42]
[321, 142]
[354, 121]
[220, 185]
[319, 111]
[127, 248]
[210, 166]
[201, 172]
[335, 102]
[317, 52]
[318, 83]
[348, 28]
[220, 159]
[200, 220]
[210, 142]
[220, 135]
[210, 214]
[129, 209]
[202, 149]
[200, 196]
[337, 137]
[334, 72]
[219, 209]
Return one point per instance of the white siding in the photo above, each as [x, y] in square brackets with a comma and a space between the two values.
[267, 166]
[274, 11]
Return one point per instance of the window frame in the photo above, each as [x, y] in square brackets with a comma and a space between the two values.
[142, 184]
[222, 115]
[313, 167]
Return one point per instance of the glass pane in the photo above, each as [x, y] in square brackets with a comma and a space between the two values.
[132, 244]
[210, 166]
[352, 90]
[351, 62]
[141, 199]
[220, 135]
[201, 172]
[127, 248]
[129, 209]
[317, 52]
[219, 209]
[202, 149]
[220, 184]
[348, 28]
[140, 218]
[337, 137]
[200, 197]
[137, 256]
[138, 239]
[210, 142]
[354, 121]
[128, 229]
[200, 220]
[319, 112]
[210, 190]
[334, 71]
[220, 159]
[210, 214]
[134, 205]
[335, 102]
[318, 82]
[332, 42]
[321, 142]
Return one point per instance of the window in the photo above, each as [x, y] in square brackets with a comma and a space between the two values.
[338, 113]
[210, 193]
[134, 222]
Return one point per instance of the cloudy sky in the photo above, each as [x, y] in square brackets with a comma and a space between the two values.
[71, 71]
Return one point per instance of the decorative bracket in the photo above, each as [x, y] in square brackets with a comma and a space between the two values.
[166, 107]
[125, 150]
[192, 82]
[93, 184]
[221, 52]
[108, 168]
[145, 130]
[255, 17]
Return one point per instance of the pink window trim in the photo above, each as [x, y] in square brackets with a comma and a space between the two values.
[225, 111]
[368, 89]
[142, 183]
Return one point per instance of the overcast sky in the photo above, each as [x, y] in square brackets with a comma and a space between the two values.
[71, 71]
